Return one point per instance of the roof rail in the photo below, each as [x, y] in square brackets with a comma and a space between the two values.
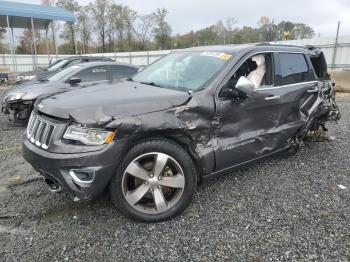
[263, 44]
[282, 45]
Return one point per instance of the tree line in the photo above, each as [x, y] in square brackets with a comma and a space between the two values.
[105, 26]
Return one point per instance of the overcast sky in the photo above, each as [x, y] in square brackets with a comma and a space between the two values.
[185, 15]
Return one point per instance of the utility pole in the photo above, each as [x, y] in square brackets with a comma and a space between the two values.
[335, 46]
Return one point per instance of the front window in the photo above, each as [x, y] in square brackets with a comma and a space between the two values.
[184, 71]
[257, 69]
[59, 76]
[57, 65]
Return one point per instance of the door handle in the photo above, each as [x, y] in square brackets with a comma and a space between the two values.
[272, 98]
[313, 90]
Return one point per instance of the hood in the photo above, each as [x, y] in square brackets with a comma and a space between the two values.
[39, 74]
[31, 73]
[103, 103]
[35, 89]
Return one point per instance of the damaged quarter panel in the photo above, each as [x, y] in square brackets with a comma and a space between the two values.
[270, 118]
[189, 121]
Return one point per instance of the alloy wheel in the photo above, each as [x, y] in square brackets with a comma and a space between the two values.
[153, 183]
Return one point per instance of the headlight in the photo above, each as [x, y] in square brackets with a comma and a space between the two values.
[89, 136]
[14, 96]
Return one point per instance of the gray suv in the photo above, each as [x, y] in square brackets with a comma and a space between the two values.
[192, 115]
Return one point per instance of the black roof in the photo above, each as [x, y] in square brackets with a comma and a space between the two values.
[234, 49]
[87, 57]
[98, 63]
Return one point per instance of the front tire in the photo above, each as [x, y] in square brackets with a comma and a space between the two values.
[155, 181]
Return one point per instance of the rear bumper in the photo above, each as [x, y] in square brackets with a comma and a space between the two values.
[67, 169]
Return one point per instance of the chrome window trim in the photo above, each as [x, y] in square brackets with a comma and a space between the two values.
[277, 87]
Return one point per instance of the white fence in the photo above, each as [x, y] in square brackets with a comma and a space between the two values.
[341, 51]
[25, 62]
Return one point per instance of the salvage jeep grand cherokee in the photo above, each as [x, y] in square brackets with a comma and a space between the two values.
[191, 115]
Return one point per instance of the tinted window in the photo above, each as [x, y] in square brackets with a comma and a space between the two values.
[319, 65]
[122, 71]
[73, 62]
[293, 69]
[96, 73]
[62, 74]
[57, 65]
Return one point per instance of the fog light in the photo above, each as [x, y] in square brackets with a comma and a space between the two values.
[82, 177]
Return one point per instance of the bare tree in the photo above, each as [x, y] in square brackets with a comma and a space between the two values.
[221, 31]
[117, 23]
[69, 28]
[110, 30]
[230, 23]
[129, 16]
[84, 27]
[162, 31]
[145, 27]
[100, 10]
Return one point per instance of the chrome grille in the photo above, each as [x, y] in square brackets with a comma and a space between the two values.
[39, 131]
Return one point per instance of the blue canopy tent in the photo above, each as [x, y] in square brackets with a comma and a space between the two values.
[22, 15]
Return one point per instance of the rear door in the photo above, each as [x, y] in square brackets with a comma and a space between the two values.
[295, 74]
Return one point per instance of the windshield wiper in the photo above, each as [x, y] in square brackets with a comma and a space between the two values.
[150, 83]
[44, 80]
[129, 79]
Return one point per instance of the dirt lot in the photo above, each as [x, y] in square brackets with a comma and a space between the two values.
[278, 209]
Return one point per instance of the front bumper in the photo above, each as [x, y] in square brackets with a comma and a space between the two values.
[62, 168]
[18, 110]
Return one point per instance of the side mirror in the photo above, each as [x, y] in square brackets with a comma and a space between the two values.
[246, 86]
[74, 80]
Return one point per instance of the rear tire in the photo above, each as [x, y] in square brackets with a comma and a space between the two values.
[155, 181]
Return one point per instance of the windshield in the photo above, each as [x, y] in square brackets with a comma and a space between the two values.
[60, 75]
[57, 65]
[183, 71]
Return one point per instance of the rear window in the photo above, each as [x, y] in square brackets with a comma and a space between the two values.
[319, 65]
[293, 69]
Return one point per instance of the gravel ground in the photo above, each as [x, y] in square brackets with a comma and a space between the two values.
[278, 209]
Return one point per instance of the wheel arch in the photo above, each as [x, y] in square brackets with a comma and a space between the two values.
[180, 138]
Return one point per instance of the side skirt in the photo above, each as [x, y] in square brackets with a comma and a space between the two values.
[234, 167]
